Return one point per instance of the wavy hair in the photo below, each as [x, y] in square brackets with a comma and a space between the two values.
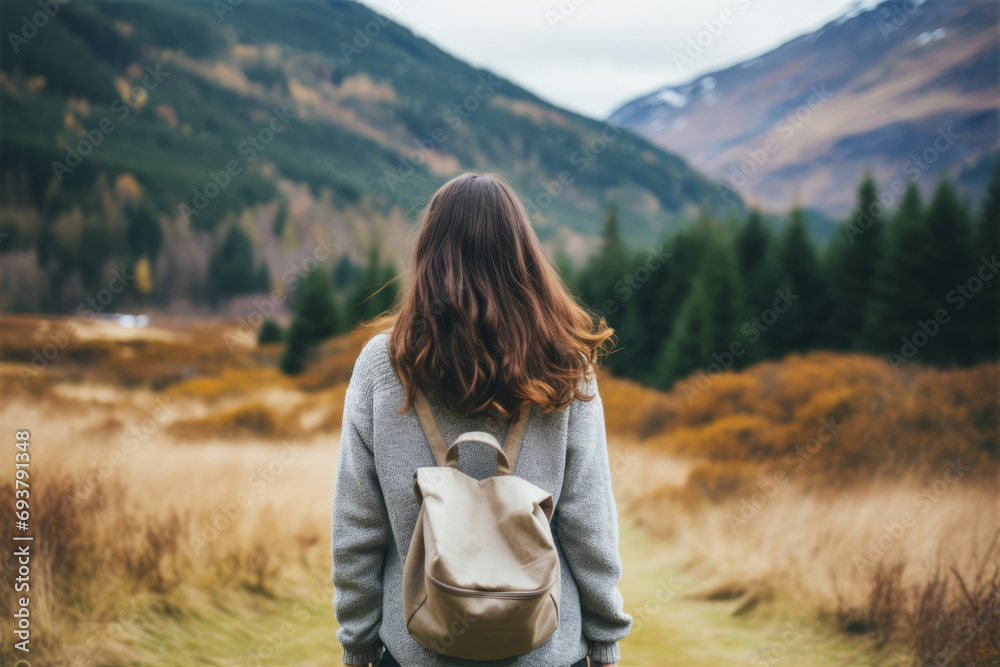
[486, 323]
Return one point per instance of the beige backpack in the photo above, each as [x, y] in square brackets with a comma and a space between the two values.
[481, 579]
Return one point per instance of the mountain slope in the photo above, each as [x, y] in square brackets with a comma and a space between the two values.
[376, 117]
[874, 89]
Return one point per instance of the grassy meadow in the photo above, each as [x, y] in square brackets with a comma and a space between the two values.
[821, 510]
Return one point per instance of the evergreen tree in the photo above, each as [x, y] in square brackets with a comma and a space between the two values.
[263, 280]
[897, 301]
[606, 268]
[231, 270]
[270, 332]
[565, 268]
[651, 313]
[950, 266]
[280, 219]
[683, 351]
[346, 273]
[754, 251]
[752, 245]
[315, 317]
[986, 308]
[377, 289]
[145, 236]
[293, 360]
[798, 284]
[709, 318]
[93, 251]
[851, 262]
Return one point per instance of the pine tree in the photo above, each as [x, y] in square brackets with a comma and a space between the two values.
[648, 313]
[377, 288]
[851, 262]
[270, 332]
[346, 273]
[262, 282]
[231, 269]
[315, 308]
[754, 250]
[280, 219]
[606, 268]
[986, 308]
[683, 351]
[145, 236]
[950, 266]
[293, 360]
[315, 317]
[798, 281]
[565, 268]
[709, 319]
[897, 300]
[93, 250]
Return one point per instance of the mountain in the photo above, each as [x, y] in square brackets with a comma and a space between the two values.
[904, 89]
[301, 118]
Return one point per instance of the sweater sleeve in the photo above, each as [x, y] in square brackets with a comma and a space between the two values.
[360, 531]
[587, 522]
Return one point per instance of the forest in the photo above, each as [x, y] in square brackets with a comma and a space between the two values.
[913, 284]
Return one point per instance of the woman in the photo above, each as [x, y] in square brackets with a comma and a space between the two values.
[484, 329]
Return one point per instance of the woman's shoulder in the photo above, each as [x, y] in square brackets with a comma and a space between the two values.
[373, 366]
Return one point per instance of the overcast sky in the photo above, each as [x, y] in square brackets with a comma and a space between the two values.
[591, 56]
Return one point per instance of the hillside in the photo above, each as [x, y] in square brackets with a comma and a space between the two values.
[874, 90]
[368, 120]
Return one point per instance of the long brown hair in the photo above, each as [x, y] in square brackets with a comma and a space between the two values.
[486, 323]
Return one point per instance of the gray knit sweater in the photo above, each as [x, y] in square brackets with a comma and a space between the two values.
[374, 514]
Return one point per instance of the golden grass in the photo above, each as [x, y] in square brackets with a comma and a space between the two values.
[739, 482]
[889, 559]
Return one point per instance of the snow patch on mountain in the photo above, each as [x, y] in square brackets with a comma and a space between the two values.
[673, 98]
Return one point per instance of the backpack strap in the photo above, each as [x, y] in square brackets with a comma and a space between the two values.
[513, 442]
[440, 448]
[430, 426]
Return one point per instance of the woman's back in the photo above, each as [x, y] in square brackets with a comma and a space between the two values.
[563, 453]
[485, 330]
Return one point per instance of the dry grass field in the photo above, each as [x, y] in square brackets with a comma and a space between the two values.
[823, 510]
